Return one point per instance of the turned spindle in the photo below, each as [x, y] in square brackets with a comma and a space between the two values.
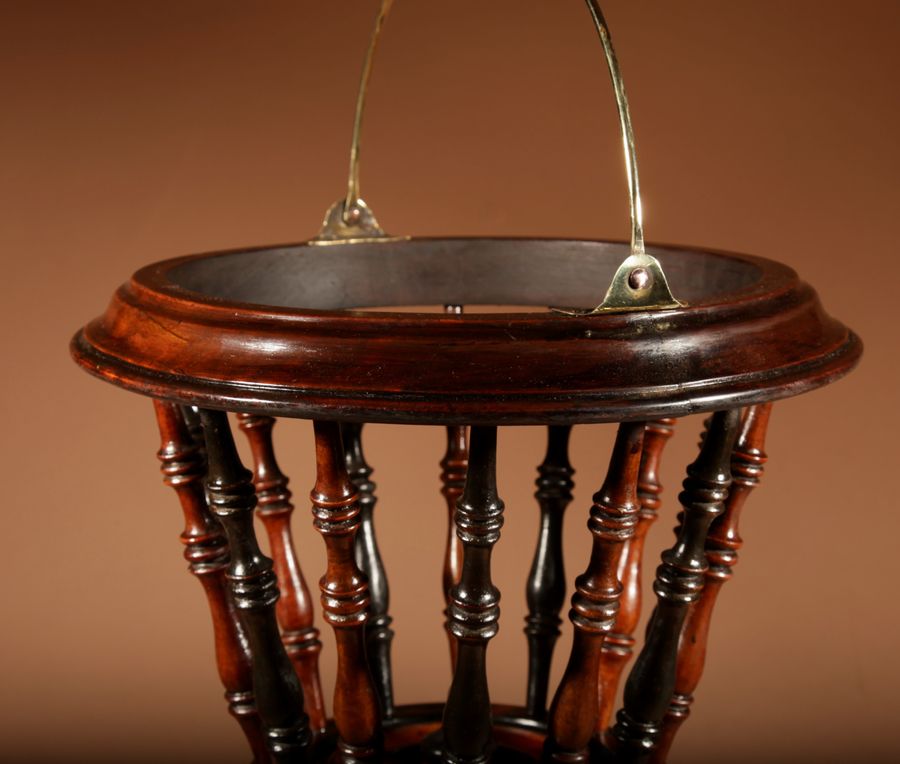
[294, 607]
[368, 557]
[545, 591]
[619, 643]
[183, 465]
[195, 428]
[345, 597]
[254, 591]
[474, 612]
[453, 480]
[722, 545]
[679, 583]
[595, 602]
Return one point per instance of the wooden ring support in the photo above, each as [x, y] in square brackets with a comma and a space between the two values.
[316, 332]
[297, 328]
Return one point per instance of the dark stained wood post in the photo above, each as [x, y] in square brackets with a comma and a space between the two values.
[206, 550]
[294, 607]
[345, 598]
[613, 517]
[368, 557]
[474, 611]
[619, 643]
[722, 545]
[254, 590]
[195, 428]
[453, 480]
[545, 591]
[679, 583]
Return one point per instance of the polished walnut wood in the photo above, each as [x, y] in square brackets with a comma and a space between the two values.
[368, 557]
[595, 603]
[294, 349]
[294, 607]
[254, 591]
[474, 611]
[453, 480]
[309, 332]
[722, 545]
[679, 583]
[545, 591]
[206, 550]
[619, 643]
[345, 597]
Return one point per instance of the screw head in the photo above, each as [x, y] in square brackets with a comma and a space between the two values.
[639, 279]
[353, 215]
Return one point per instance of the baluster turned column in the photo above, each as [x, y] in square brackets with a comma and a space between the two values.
[679, 583]
[254, 591]
[345, 598]
[294, 607]
[546, 588]
[619, 643]
[595, 602]
[206, 550]
[474, 611]
[722, 545]
[453, 480]
[378, 626]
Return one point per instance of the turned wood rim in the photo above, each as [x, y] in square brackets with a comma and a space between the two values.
[224, 330]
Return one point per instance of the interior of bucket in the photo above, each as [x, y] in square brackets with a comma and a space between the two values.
[439, 272]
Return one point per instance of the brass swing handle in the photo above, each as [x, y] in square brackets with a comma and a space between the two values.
[638, 284]
[349, 219]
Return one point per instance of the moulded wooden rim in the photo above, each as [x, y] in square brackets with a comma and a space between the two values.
[222, 330]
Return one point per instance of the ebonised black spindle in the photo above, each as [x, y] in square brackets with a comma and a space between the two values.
[345, 598]
[679, 583]
[595, 602]
[206, 550]
[474, 611]
[546, 588]
[368, 557]
[619, 643]
[254, 590]
[722, 545]
[294, 607]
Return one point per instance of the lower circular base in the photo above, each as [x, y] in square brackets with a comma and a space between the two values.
[413, 734]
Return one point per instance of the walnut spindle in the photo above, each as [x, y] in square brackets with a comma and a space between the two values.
[254, 590]
[722, 545]
[595, 602]
[368, 557]
[474, 611]
[206, 550]
[345, 598]
[453, 480]
[294, 607]
[619, 643]
[545, 591]
[679, 583]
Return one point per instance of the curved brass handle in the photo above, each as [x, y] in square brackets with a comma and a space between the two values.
[639, 282]
[350, 219]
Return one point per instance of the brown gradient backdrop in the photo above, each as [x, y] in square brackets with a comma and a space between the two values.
[134, 131]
